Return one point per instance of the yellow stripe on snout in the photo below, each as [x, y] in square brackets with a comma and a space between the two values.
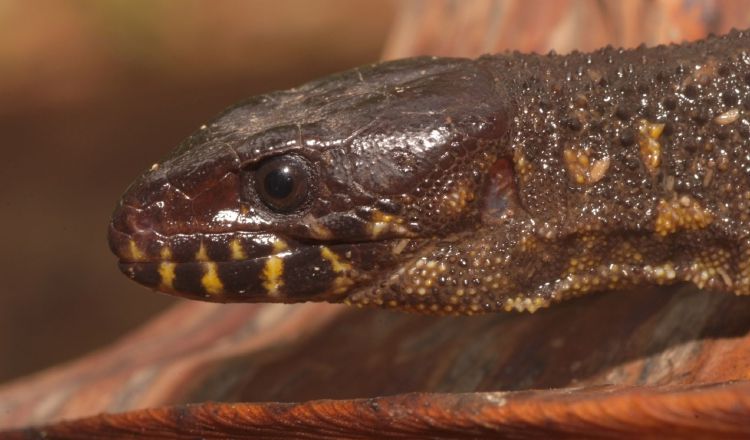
[166, 272]
[272, 273]
[210, 281]
[136, 254]
[238, 253]
[279, 245]
[201, 254]
[165, 253]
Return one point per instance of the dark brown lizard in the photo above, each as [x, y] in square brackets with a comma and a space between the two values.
[438, 185]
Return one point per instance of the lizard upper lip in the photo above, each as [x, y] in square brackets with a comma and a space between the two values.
[154, 225]
[149, 246]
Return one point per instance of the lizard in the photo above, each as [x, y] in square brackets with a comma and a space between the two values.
[460, 186]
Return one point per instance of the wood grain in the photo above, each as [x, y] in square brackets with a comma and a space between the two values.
[607, 412]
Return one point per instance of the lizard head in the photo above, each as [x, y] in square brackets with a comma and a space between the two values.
[317, 193]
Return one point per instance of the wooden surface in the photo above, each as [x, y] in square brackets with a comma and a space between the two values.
[658, 361]
[606, 412]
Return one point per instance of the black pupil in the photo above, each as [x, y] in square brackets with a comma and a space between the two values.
[283, 182]
[279, 183]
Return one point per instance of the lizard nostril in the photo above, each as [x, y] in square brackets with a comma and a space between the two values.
[130, 220]
[132, 235]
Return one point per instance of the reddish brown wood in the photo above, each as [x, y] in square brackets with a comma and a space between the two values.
[660, 362]
[471, 28]
[664, 412]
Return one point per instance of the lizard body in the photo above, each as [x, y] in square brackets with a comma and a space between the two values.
[436, 185]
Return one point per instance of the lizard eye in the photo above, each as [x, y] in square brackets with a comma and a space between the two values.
[283, 182]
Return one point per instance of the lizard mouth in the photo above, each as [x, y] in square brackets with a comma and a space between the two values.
[249, 266]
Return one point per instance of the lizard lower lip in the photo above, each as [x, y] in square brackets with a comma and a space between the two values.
[261, 279]
[220, 282]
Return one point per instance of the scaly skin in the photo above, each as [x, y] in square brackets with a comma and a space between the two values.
[461, 186]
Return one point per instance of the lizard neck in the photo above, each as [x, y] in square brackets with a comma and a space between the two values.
[602, 140]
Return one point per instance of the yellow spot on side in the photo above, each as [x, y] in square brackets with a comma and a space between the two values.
[201, 255]
[456, 201]
[166, 272]
[582, 169]
[211, 281]
[135, 252]
[382, 222]
[525, 304]
[521, 164]
[272, 272]
[728, 116]
[279, 246]
[528, 243]
[598, 169]
[648, 135]
[238, 253]
[680, 214]
[337, 264]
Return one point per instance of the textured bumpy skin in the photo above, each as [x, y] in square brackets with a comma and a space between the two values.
[463, 186]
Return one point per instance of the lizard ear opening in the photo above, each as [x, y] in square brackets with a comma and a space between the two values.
[500, 196]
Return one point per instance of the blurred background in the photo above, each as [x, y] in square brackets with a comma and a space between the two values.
[92, 93]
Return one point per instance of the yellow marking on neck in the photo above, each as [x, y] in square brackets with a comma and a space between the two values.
[650, 148]
[341, 284]
[377, 228]
[166, 272]
[684, 213]
[211, 281]
[237, 252]
[166, 253]
[135, 252]
[380, 216]
[271, 276]
[337, 264]
[382, 222]
[279, 246]
[400, 246]
[202, 255]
